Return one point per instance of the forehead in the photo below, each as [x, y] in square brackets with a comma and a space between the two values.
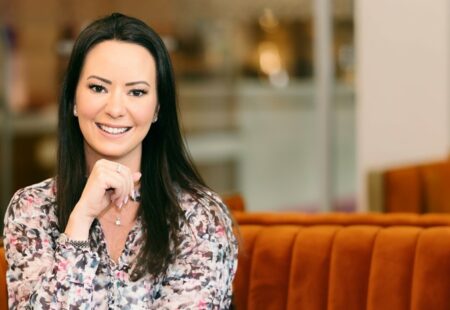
[119, 59]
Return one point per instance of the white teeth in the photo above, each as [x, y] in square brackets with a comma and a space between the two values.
[113, 131]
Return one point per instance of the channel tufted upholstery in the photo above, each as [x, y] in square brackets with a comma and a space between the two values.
[309, 262]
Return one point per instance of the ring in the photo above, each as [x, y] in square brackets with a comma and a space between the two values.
[118, 168]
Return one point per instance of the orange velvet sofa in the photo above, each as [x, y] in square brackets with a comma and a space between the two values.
[343, 261]
[337, 261]
[419, 188]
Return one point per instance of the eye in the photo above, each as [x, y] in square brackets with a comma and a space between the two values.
[97, 88]
[138, 92]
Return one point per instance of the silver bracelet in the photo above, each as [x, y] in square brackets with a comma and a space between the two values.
[79, 244]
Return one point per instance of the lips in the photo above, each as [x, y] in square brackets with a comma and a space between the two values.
[112, 130]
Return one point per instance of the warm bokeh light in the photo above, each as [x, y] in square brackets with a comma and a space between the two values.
[269, 58]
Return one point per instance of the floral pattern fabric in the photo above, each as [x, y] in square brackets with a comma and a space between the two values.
[44, 274]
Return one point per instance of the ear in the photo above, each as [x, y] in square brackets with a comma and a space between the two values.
[155, 117]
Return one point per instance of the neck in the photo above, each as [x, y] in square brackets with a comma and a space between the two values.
[126, 216]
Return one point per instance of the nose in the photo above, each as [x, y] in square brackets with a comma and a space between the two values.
[115, 106]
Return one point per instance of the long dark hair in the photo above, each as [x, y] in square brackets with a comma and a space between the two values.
[166, 166]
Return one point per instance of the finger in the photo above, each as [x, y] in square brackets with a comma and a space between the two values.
[131, 186]
[103, 170]
[118, 184]
[125, 172]
[104, 185]
[129, 177]
[116, 194]
[136, 176]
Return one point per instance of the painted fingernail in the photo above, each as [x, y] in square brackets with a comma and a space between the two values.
[126, 200]
[119, 205]
[133, 195]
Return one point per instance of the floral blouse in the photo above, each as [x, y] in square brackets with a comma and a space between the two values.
[46, 274]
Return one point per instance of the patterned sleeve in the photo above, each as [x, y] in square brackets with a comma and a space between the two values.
[202, 275]
[42, 274]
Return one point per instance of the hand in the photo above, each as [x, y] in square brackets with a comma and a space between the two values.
[108, 182]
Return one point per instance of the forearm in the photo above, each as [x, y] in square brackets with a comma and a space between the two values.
[79, 224]
[59, 281]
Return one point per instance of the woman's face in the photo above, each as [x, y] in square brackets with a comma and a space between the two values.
[116, 100]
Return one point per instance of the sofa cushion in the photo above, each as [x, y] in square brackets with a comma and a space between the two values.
[248, 234]
[350, 267]
[309, 275]
[431, 280]
[392, 267]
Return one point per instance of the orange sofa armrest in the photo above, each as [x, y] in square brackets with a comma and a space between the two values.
[234, 202]
[3, 290]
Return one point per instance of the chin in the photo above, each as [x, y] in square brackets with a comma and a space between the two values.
[114, 151]
[111, 153]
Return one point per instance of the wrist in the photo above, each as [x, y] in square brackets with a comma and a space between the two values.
[80, 214]
[78, 225]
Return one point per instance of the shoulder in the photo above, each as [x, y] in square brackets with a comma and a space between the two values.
[32, 201]
[203, 204]
[206, 214]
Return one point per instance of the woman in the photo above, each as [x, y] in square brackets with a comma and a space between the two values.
[127, 223]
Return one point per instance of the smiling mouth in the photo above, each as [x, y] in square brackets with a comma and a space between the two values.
[113, 130]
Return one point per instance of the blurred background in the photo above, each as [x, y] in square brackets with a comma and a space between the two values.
[297, 105]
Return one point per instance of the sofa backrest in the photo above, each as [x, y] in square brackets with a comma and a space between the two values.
[343, 219]
[417, 188]
[339, 266]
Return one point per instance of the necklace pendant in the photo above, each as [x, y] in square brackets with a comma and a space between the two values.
[118, 222]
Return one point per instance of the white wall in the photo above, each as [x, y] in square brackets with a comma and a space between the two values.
[402, 89]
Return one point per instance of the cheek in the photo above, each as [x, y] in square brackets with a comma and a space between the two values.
[86, 105]
[144, 116]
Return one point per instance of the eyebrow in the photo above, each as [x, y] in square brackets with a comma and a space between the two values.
[109, 82]
[137, 82]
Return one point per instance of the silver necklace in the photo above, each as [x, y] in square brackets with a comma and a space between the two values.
[136, 197]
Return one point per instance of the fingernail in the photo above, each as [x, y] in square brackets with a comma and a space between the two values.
[133, 195]
[119, 205]
[126, 200]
